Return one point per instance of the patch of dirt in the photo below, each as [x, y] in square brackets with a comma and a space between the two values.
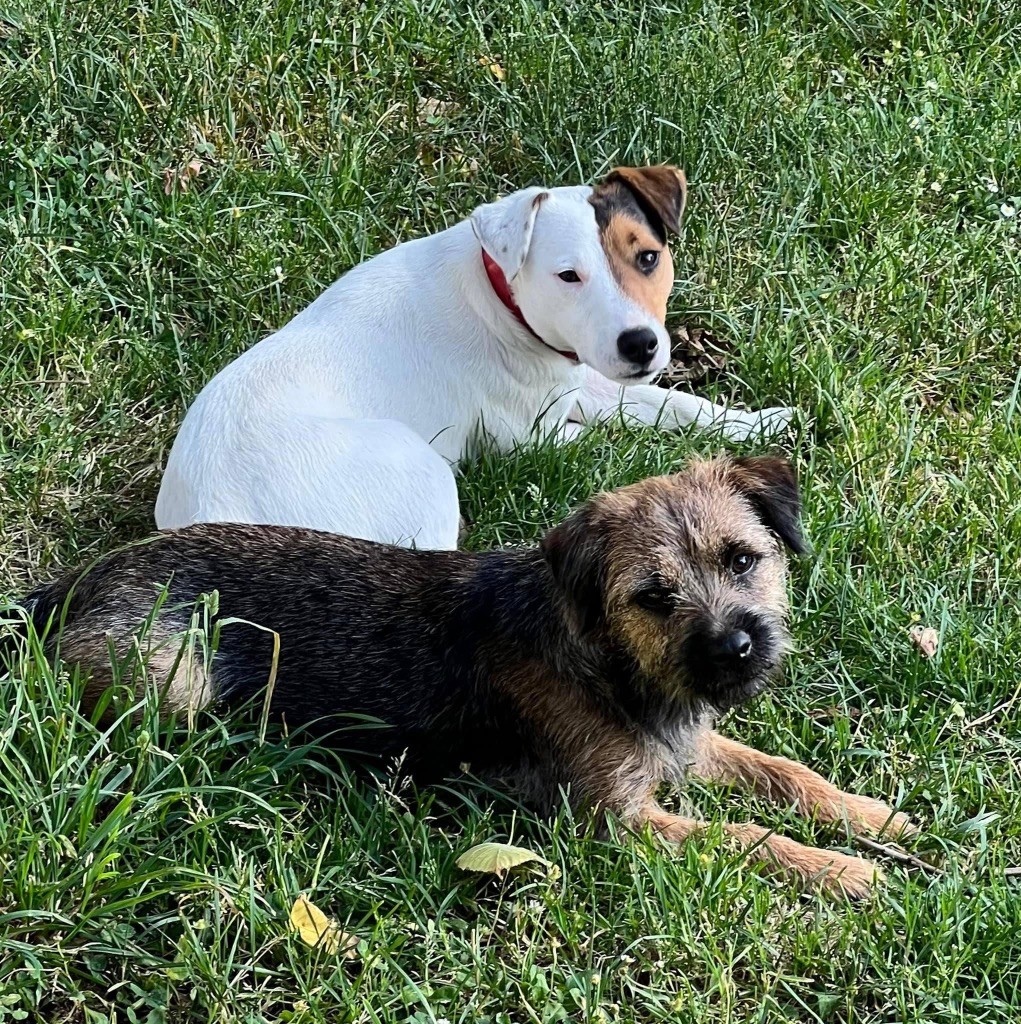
[696, 356]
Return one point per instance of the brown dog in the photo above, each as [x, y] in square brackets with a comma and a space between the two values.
[593, 665]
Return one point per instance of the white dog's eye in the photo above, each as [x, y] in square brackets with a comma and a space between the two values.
[648, 259]
[570, 276]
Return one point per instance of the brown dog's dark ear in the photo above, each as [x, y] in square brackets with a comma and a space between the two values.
[770, 485]
[661, 191]
[574, 552]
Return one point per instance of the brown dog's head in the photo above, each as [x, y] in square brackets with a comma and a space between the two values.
[687, 573]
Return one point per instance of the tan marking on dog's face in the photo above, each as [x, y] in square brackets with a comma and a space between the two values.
[625, 241]
[659, 193]
[636, 209]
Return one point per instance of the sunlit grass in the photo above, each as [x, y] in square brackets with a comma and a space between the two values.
[852, 230]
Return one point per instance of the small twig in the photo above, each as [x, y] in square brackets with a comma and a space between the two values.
[901, 856]
[995, 713]
[1012, 873]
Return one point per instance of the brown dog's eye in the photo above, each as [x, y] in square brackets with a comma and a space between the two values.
[659, 600]
[742, 562]
[570, 276]
[648, 260]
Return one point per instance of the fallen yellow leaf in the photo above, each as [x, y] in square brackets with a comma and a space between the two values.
[316, 929]
[496, 858]
[495, 68]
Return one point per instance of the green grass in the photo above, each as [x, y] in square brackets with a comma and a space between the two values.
[853, 169]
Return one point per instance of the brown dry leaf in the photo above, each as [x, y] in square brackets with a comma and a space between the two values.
[961, 416]
[316, 929]
[431, 108]
[426, 155]
[454, 160]
[180, 178]
[695, 354]
[832, 713]
[926, 639]
[495, 68]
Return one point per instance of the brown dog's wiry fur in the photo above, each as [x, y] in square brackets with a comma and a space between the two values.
[593, 665]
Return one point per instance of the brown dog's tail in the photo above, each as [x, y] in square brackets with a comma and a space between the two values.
[13, 633]
[38, 614]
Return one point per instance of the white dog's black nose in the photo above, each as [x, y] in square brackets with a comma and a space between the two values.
[638, 345]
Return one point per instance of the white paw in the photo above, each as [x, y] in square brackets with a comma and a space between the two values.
[762, 424]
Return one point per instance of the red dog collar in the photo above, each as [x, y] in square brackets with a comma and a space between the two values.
[503, 293]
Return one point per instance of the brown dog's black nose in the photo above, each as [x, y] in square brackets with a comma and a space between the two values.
[734, 646]
[638, 345]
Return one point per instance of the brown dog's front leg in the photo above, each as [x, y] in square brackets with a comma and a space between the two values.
[835, 872]
[779, 779]
[608, 771]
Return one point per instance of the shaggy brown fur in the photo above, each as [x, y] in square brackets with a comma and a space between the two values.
[593, 665]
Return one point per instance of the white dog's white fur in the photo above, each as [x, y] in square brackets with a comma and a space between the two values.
[350, 417]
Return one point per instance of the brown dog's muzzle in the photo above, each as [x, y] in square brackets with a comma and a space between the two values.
[730, 661]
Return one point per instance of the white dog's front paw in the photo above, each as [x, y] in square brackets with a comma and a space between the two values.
[776, 419]
[762, 424]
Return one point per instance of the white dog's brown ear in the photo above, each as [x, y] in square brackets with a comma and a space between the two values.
[661, 191]
[504, 228]
[770, 485]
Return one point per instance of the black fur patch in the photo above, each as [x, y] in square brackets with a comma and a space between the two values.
[613, 199]
[770, 485]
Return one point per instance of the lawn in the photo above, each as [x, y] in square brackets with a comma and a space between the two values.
[179, 178]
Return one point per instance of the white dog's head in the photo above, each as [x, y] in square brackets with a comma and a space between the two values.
[589, 267]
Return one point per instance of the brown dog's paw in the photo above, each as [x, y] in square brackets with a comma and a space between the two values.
[900, 825]
[824, 869]
[850, 876]
[874, 818]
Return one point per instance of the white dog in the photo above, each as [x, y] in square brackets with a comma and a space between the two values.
[542, 311]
